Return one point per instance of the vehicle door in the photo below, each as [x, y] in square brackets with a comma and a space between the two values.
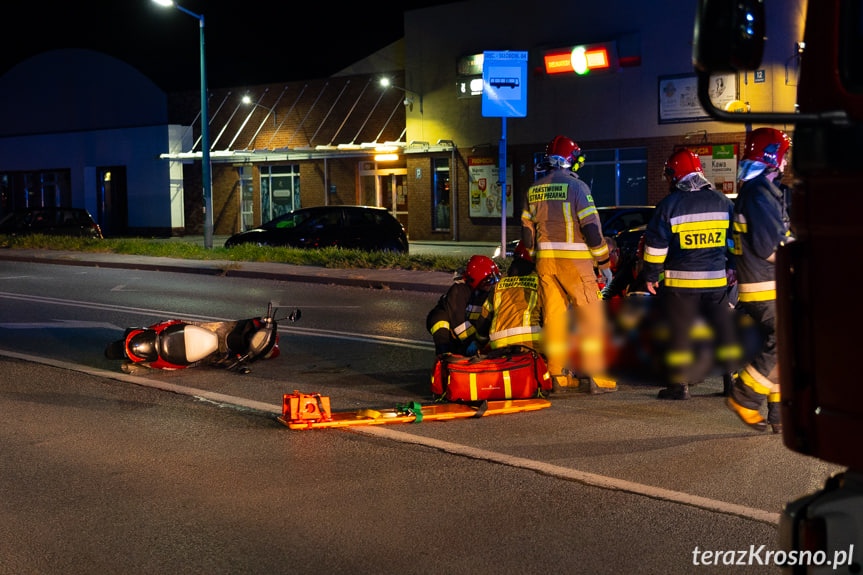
[322, 229]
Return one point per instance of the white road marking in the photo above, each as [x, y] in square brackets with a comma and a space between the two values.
[219, 398]
[62, 324]
[584, 477]
[290, 329]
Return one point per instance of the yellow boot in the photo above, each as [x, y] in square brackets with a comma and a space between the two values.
[750, 417]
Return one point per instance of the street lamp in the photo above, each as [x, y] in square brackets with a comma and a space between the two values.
[206, 166]
[386, 83]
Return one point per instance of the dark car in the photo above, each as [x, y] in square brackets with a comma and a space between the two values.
[625, 224]
[50, 221]
[351, 227]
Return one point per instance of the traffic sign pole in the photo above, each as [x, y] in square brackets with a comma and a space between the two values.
[502, 180]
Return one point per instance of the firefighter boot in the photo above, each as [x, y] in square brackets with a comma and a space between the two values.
[596, 385]
[677, 391]
[560, 385]
[750, 417]
[773, 417]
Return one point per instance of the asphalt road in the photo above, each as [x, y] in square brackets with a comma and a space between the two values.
[104, 477]
[113, 471]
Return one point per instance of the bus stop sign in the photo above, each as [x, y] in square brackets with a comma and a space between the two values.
[504, 79]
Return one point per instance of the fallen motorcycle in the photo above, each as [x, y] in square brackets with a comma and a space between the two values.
[180, 344]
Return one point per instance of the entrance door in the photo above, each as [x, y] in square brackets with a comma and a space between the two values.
[395, 195]
[112, 213]
[385, 188]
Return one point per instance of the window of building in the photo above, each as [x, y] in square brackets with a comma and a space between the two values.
[50, 188]
[617, 177]
[441, 200]
[280, 190]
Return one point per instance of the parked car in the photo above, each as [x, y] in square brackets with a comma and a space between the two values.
[50, 221]
[352, 227]
[625, 224]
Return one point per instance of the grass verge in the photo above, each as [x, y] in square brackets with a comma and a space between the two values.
[325, 257]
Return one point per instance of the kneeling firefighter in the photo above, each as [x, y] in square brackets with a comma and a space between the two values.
[452, 321]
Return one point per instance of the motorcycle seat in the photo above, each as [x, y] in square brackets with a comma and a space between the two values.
[186, 343]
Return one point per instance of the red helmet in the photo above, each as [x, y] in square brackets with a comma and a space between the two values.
[521, 252]
[481, 269]
[680, 164]
[766, 145]
[562, 152]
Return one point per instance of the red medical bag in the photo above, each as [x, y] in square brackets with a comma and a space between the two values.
[519, 374]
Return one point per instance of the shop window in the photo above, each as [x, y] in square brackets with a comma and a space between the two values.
[280, 190]
[441, 200]
[617, 177]
[35, 189]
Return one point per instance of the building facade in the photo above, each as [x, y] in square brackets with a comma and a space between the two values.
[617, 77]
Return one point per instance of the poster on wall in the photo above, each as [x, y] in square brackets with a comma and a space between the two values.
[678, 97]
[485, 198]
[719, 163]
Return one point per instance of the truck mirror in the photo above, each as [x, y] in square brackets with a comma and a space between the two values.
[728, 36]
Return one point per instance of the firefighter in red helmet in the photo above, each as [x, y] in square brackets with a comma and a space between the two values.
[686, 244]
[452, 322]
[760, 227]
[561, 228]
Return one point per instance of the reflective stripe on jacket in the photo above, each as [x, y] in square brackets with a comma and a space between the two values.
[513, 313]
[687, 240]
[565, 222]
[760, 226]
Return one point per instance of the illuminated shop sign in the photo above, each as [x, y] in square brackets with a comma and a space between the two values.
[582, 60]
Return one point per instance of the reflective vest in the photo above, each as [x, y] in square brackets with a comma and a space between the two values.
[513, 313]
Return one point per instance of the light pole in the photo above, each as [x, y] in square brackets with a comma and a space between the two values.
[206, 166]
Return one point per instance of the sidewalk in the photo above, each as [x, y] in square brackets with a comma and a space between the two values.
[425, 281]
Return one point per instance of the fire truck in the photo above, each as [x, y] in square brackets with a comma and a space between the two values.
[819, 309]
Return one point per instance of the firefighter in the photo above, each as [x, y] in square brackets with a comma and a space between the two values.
[760, 226]
[512, 314]
[452, 321]
[561, 228]
[686, 243]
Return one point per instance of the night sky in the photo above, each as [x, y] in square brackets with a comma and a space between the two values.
[247, 42]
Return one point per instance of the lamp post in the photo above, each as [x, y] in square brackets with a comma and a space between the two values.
[206, 165]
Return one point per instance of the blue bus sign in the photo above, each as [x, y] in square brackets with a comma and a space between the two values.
[504, 78]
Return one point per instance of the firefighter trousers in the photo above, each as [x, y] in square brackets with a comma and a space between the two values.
[573, 314]
[760, 378]
[682, 309]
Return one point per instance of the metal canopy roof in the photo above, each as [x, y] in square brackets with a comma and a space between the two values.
[347, 116]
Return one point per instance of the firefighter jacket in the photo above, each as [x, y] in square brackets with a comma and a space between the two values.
[564, 221]
[760, 226]
[453, 317]
[512, 314]
[686, 240]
